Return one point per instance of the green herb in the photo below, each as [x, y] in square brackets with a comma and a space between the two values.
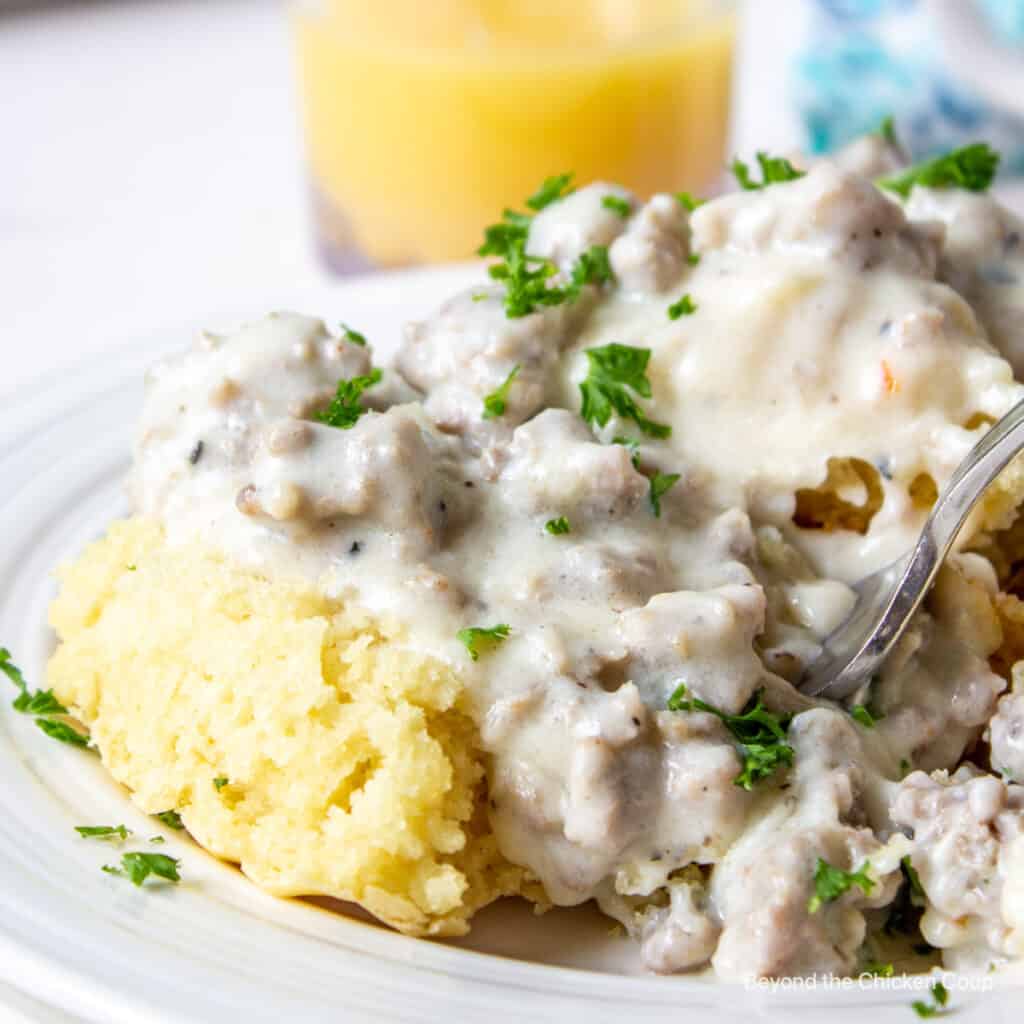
[131, 568]
[345, 410]
[40, 703]
[556, 527]
[11, 670]
[761, 734]
[63, 732]
[478, 640]
[905, 911]
[495, 402]
[905, 767]
[887, 129]
[774, 171]
[632, 446]
[592, 267]
[661, 484]
[172, 819]
[137, 867]
[689, 202]
[830, 883]
[877, 969]
[860, 713]
[940, 996]
[354, 336]
[157, 839]
[917, 893]
[220, 782]
[617, 205]
[693, 259]
[971, 167]
[554, 188]
[614, 370]
[526, 278]
[103, 831]
[684, 307]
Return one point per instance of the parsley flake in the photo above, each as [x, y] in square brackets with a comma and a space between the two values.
[103, 831]
[557, 527]
[495, 402]
[761, 734]
[693, 259]
[887, 129]
[345, 410]
[137, 867]
[220, 782]
[689, 202]
[527, 278]
[477, 640]
[861, 714]
[970, 167]
[614, 371]
[354, 336]
[617, 205]
[172, 819]
[775, 170]
[554, 188]
[41, 704]
[830, 883]
[661, 484]
[877, 969]
[939, 995]
[684, 307]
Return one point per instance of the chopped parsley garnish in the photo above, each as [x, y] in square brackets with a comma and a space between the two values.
[554, 188]
[684, 307]
[939, 995]
[159, 840]
[861, 713]
[477, 640]
[557, 527]
[761, 734]
[906, 909]
[877, 969]
[661, 484]
[172, 819]
[905, 767]
[592, 267]
[41, 704]
[12, 672]
[103, 831]
[689, 202]
[970, 167]
[345, 410]
[354, 336]
[633, 447]
[617, 205]
[693, 259]
[137, 867]
[220, 782]
[525, 277]
[830, 883]
[614, 371]
[774, 171]
[495, 402]
[887, 129]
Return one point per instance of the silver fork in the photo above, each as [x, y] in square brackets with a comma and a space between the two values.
[887, 599]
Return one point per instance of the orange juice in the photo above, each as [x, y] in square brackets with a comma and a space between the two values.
[424, 118]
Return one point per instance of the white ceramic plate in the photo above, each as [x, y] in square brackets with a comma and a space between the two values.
[214, 948]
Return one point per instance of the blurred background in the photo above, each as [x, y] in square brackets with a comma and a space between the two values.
[169, 155]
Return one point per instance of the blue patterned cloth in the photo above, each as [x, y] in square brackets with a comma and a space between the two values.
[866, 59]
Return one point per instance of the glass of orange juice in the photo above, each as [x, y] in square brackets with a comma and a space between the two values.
[425, 118]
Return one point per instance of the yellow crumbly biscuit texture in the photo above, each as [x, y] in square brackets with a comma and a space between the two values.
[352, 770]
